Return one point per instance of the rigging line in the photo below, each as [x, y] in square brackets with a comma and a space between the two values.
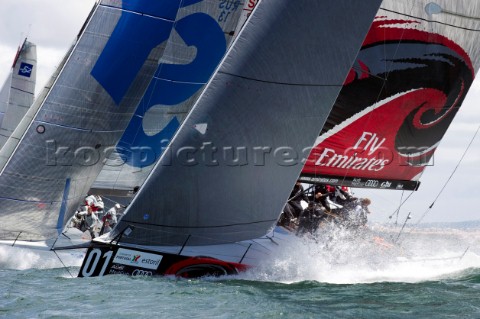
[450, 177]
[398, 211]
[401, 204]
[385, 80]
[161, 64]
[63, 263]
[369, 115]
[132, 11]
[387, 71]
[110, 200]
[145, 106]
[377, 99]
[464, 253]
[403, 226]
[16, 238]
[300, 192]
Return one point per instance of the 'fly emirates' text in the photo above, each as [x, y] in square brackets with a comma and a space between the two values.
[368, 142]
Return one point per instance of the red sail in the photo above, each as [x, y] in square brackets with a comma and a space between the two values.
[401, 95]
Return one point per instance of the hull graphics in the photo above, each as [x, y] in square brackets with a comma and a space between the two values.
[105, 259]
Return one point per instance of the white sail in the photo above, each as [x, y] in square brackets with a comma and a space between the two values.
[18, 91]
[52, 158]
[198, 42]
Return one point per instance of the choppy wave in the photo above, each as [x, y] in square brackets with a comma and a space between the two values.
[339, 274]
[334, 255]
[340, 256]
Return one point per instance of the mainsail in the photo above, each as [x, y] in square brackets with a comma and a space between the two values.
[53, 157]
[228, 171]
[408, 81]
[17, 93]
[199, 40]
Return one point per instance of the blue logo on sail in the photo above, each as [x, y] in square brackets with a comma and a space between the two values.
[172, 84]
[25, 69]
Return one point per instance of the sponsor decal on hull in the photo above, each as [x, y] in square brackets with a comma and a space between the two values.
[103, 259]
[135, 258]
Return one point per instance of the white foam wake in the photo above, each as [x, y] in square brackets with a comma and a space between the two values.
[343, 256]
[24, 258]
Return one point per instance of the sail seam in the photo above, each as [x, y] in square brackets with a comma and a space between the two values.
[28, 201]
[177, 81]
[78, 128]
[23, 91]
[280, 83]
[433, 21]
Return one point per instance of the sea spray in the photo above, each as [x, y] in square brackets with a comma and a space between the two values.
[344, 256]
[23, 258]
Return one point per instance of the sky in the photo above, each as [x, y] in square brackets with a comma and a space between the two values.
[53, 24]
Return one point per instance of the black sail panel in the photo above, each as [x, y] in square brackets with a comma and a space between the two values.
[228, 171]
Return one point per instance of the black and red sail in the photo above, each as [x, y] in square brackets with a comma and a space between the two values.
[403, 91]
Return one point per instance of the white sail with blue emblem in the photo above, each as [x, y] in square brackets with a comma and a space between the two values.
[18, 91]
[198, 42]
[58, 149]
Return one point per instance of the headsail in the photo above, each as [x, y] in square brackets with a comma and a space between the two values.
[18, 91]
[198, 42]
[52, 158]
[408, 82]
[228, 171]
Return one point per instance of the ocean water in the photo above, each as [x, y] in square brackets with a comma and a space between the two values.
[429, 273]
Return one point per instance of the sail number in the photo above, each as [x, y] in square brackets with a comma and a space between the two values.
[227, 7]
[92, 261]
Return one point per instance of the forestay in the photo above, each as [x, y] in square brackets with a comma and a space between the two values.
[409, 80]
[229, 169]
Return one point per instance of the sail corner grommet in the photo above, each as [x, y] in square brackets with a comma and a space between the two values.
[40, 129]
